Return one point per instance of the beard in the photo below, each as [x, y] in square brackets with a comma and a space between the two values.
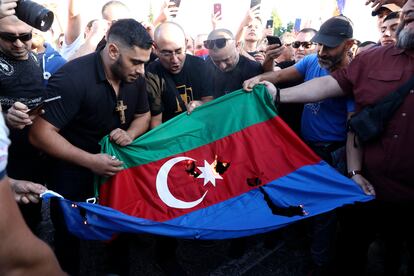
[116, 69]
[330, 62]
[405, 37]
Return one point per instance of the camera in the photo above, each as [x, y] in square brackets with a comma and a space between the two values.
[34, 14]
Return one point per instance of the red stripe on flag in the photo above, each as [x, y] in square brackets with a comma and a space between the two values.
[264, 151]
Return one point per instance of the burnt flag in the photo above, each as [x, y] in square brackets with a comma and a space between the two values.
[230, 169]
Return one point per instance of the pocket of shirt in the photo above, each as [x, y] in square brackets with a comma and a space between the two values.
[385, 75]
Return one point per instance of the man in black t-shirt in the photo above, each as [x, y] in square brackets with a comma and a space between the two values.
[227, 68]
[102, 93]
[20, 90]
[184, 75]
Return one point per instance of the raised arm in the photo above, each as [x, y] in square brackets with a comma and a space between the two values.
[97, 32]
[167, 12]
[248, 18]
[74, 24]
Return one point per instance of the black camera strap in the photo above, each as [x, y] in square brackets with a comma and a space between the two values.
[369, 123]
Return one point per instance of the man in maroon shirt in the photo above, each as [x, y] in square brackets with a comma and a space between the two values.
[385, 167]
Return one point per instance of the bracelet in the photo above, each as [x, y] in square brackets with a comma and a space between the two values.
[353, 173]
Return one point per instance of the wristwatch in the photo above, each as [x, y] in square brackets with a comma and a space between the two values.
[353, 173]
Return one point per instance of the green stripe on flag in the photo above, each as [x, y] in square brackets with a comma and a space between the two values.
[208, 123]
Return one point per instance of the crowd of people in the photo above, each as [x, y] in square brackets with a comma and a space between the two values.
[119, 77]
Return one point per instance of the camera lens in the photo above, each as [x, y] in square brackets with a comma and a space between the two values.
[34, 14]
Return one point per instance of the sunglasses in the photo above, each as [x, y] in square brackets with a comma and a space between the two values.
[218, 43]
[304, 44]
[12, 37]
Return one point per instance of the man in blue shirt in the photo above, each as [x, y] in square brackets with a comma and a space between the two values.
[50, 60]
[323, 125]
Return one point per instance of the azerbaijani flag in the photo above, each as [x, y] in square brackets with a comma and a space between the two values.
[230, 169]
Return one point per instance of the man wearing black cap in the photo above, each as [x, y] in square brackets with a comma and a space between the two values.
[323, 123]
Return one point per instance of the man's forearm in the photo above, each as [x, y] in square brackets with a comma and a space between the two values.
[353, 153]
[43, 136]
[139, 125]
[21, 253]
[312, 91]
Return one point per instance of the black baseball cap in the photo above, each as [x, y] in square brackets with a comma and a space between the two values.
[334, 31]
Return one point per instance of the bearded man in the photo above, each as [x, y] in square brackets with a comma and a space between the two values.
[102, 93]
[383, 167]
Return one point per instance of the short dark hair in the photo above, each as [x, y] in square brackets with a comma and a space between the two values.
[130, 32]
[392, 15]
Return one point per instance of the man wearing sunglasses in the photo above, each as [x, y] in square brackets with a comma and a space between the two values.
[323, 125]
[184, 75]
[302, 46]
[227, 68]
[21, 89]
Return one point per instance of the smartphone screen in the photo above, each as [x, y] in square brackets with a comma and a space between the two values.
[271, 39]
[269, 24]
[217, 8]
[36, 109]
[254, 3]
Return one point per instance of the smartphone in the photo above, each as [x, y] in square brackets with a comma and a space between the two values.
[271, 39]
[254, 3]
[217, 8]
[40, 106]
[269, 24]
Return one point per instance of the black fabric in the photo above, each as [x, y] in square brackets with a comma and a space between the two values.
[226, 82]
[191, 84]
[369, 123]
[84, 115]
[87, 112]
[291, 113]
[361, 224]
[21, 80]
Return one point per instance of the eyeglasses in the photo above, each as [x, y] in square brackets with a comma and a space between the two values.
[218, 43]
[169, 54]
[12, 37]
[304, 44]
